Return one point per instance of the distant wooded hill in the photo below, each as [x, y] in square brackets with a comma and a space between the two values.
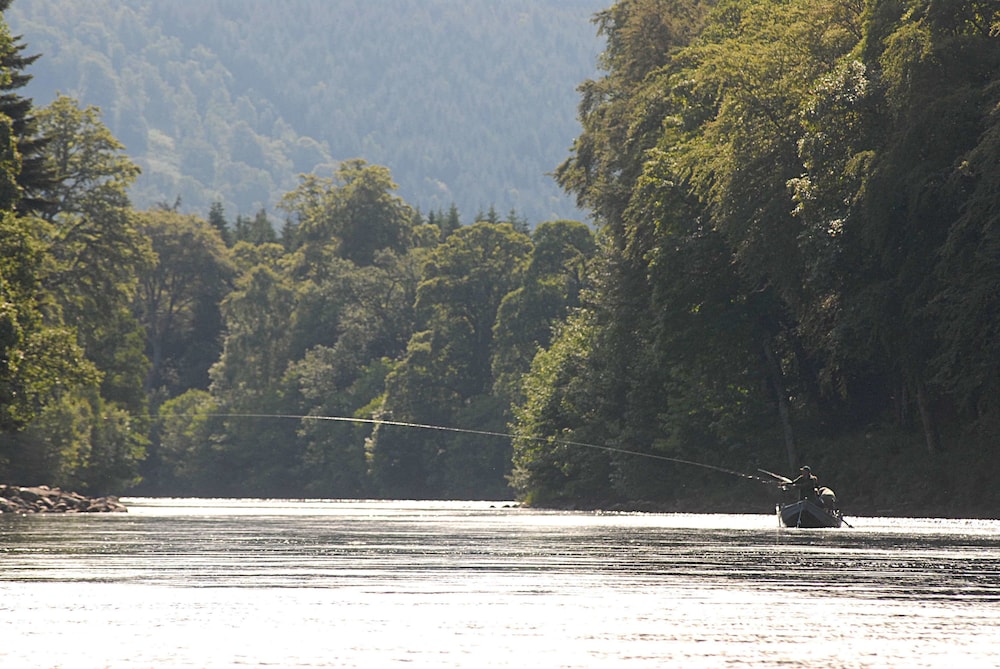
[468, 103]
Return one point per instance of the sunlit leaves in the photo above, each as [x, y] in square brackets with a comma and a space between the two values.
[562, 405]
[356, 214]
[445, 376]
[89, 162]
[257, 314]
[178, 296]
[557, 273]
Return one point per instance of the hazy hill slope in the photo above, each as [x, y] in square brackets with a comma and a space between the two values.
[471, 102]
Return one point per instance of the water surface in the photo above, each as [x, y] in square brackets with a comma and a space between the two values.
[251, 583]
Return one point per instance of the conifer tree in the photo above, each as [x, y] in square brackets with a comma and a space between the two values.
[36, 176]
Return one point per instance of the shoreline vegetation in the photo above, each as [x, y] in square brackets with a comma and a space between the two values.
[737, 500]
[788, 262]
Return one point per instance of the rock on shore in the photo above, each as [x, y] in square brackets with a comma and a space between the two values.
[43, 499]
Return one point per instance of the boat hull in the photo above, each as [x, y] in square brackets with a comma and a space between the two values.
[806, 513]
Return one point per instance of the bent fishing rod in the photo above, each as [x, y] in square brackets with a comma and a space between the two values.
[490, 433]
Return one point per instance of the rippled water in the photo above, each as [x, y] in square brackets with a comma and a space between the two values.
[225, 583]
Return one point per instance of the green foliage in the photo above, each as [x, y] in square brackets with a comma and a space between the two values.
[80, 442]
[11, 163]
[44, 376]
[56, 364]
[305, 331]
[561, 406]
[32, 175]
[327, 323]
[257, 314]
[466, 103]
[556, 274]
[915, 108]
[181, 456]
[356, 214]
[464, 281]
[54, 448]
[217, 219]
[796, 257]
[178, 298]
[257, 231]
[97, 252]
[93, 172]
[20, 256]
[445, 376]
[334, 382]
[117, 447]
[793, 195]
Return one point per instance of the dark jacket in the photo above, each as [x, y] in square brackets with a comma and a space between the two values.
[806, 484]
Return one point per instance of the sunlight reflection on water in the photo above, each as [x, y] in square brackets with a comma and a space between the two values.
[304, 583]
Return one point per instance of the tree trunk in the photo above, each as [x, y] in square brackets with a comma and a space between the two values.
[784, 409]
[931, 437]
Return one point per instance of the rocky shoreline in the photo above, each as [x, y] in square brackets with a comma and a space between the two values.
[43, 499]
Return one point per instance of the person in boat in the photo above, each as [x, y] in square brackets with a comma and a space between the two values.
[806, 483]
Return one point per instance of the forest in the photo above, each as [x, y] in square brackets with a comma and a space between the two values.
[471, 103]
[794, 257]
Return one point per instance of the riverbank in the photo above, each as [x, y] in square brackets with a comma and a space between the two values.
[885, 472]
[43, 499]
[855, 500]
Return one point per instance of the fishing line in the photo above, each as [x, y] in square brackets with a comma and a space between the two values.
[490, 433]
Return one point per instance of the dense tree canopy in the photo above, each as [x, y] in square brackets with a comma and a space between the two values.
[786, 184]
[466, 103]
[73, 404]
[177, 302]
[795, 257]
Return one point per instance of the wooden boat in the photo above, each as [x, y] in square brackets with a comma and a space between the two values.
[808, 513]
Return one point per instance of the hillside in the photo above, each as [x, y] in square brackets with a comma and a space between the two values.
[471, 103]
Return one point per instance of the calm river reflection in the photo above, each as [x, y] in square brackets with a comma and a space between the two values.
[241, 583]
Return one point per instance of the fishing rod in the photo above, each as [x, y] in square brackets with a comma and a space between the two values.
[785, 481]
[491, 433]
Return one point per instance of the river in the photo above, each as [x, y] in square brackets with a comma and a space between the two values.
[254, 583]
